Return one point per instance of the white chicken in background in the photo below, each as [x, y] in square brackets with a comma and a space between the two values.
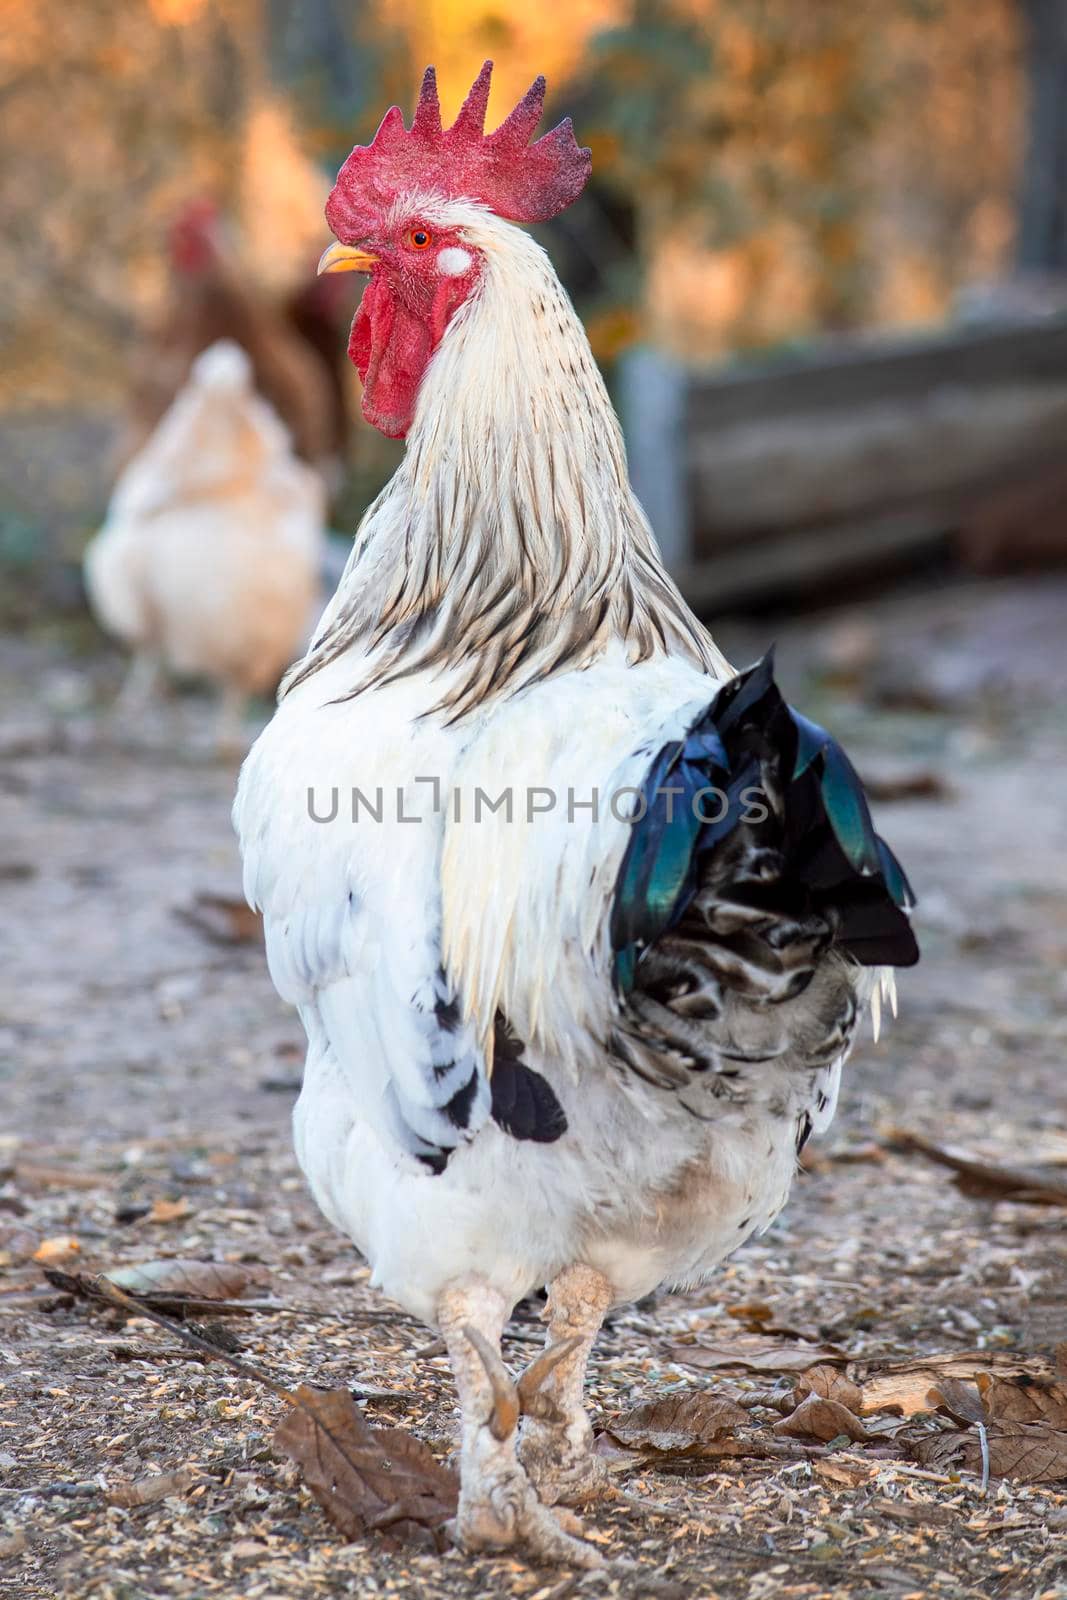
[208, 563]
[580, 923]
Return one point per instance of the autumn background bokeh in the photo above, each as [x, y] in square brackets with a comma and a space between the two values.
[788, 167]
[766, 173]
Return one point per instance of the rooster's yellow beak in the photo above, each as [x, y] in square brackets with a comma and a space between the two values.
[345, 258]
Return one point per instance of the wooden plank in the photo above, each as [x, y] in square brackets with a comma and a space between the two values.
[815, 466]
[796, 562]
[844, 377]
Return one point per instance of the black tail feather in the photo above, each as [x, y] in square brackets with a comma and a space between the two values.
[767, 813]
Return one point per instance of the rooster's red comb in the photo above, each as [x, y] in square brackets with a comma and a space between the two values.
[518, 180]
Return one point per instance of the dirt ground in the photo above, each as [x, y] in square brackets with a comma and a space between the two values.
[147, 1076]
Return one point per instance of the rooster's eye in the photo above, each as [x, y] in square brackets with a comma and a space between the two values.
[419, 239]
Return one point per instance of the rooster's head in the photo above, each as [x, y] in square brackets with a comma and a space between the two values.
[402, 210]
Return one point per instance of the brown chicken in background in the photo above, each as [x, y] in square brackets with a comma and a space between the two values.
[296, 346]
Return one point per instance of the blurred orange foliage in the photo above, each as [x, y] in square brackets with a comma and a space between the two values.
[865, 153]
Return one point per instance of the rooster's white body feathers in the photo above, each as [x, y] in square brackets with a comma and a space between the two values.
[505, 625]
[646, 1186]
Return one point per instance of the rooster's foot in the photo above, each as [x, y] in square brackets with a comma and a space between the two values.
[560, 1462]
[556, 1447]
[499, 1507]
[500, 1511]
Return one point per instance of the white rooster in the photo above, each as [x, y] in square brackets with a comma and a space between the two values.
[580, 924]
[208, 563]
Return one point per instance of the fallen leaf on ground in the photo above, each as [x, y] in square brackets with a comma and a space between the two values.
[1023, 1399]
[364, 1477]
[223, 919]
[147, 1491]
[178, 1279]
[169, 1210]
[821, 1419]
[988, 1180]
[179, 1287]
[829, 1383]
[751, 1353]
[961, 1400]
[759, 1319]
[62, 1248]
[847, 1474]
[751, 1311]
[689, 1424]
[905, 1386]
[1031, 1451]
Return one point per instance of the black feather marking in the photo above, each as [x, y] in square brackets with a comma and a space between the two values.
[436, 1160]
[804, 1127]
[524, 1103]
[448, 1014]
[458, 1109]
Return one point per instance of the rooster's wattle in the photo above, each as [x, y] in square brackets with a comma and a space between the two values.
[579, 922]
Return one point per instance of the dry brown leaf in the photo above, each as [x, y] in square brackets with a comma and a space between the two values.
[693, 1423]
[169, 1210]
[176, 1279]
[146, 1491]
[961, 1400]
[64, 1247]
[182, 1288]
[821, 1419]
[751, 1311]
[1031, 1451]
[988, 1180]
[223, 919]
[366, 1478]
[848, 1474]
[751, 1353]
[904, 1386]
[829, 1383]
[1023, 1399]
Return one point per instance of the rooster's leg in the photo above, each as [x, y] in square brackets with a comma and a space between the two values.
[498, 1507]
[557, 1437]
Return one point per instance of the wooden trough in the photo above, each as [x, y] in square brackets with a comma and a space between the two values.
[798, 473]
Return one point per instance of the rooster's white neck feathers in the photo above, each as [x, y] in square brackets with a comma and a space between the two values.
[509, 544]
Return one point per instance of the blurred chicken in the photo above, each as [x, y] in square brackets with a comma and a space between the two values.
[208, 562]
[287, 343]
